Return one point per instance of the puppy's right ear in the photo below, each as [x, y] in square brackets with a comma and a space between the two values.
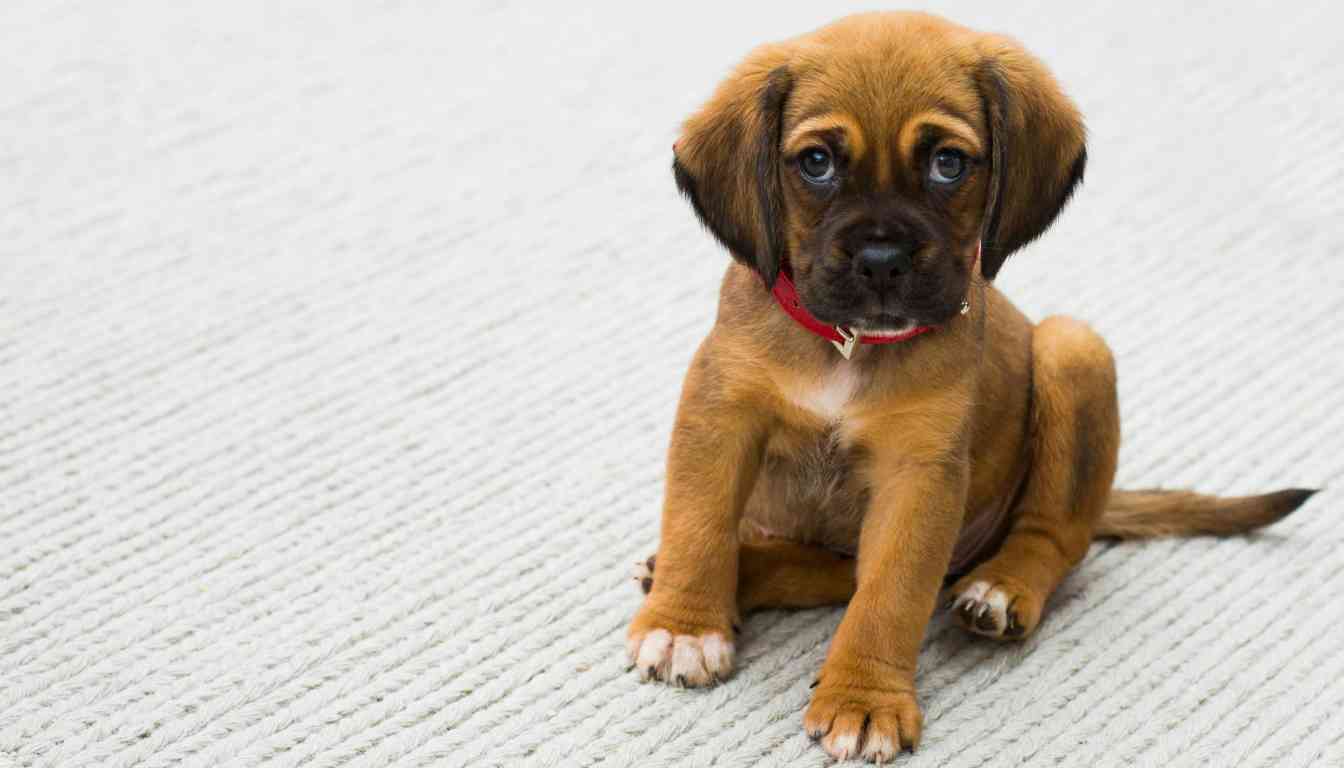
[727, 160]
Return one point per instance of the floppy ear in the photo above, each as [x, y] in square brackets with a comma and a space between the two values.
[1037, 148]
[727, 160]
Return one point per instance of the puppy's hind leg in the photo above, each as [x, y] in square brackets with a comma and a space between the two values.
[1074, 443]
[783, 574]
[776, 573]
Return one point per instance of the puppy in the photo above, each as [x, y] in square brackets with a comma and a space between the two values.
[869, 418]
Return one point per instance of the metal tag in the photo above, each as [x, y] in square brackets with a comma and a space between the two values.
[851, 340]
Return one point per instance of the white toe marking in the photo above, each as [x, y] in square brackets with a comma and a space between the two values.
[688, 662]
[998, 603]
[879, 747]
[718, 654]
[994, 598]
[842, 745]
[683, 660]
[998, 608]
[654, 653]
[640, 574]
[976, 591]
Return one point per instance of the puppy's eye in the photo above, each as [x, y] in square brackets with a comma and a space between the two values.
[948, 165]
[816, 165]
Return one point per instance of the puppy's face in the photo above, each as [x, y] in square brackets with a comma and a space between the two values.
[883, 170]
[872, 156]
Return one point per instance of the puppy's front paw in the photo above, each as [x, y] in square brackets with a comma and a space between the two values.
[994, 606]
[689, 654]
[872, 723]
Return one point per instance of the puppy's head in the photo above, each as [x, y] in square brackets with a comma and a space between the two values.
[871, 156]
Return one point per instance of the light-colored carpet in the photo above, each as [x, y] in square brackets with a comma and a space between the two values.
[338, 355]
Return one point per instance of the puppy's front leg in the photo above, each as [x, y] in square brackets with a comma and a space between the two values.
[865, 702]
[684, 631]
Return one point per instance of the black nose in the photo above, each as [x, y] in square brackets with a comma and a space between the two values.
[881, 263]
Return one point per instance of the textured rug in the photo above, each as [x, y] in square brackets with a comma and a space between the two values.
[339, 352]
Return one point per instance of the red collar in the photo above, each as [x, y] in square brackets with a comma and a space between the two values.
[786, 296]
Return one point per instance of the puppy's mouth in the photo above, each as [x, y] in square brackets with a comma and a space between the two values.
[885, 324]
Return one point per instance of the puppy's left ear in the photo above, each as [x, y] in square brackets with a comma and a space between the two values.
[727, 160]
[1038, 148]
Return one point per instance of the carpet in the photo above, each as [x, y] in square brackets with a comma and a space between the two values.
[339, 350]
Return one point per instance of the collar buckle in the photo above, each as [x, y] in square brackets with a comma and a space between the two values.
[850, 338]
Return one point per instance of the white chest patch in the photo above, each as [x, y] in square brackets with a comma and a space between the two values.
[828, 395]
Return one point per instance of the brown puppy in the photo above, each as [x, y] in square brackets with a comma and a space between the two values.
[888, 164]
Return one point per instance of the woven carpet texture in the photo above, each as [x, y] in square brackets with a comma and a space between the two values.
[340, 345]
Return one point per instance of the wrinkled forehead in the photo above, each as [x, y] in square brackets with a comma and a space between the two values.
[881, 106]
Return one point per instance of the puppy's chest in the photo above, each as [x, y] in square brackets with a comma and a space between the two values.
[829, 397]
[813, 492]
[822, 430]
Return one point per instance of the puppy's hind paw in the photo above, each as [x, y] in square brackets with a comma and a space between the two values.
[994, 608]
[642, 574]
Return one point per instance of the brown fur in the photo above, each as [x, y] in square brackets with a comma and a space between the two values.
[928, 438]
[1150, 514]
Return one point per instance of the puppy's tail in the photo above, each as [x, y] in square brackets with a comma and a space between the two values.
[1149, 514]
